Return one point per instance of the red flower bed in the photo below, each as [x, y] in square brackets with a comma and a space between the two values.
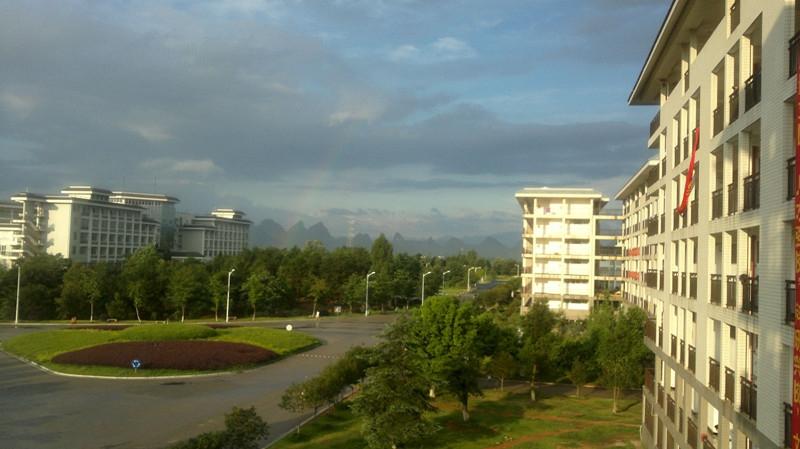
[186, 355]
[100, 327]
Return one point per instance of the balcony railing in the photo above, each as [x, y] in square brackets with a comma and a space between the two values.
[694, 212]
[661, 337]
[735, 14]
[790, 301]
[733, 105]
[676, 154]
[791, 179]
[716, 289]
[692, 359]
[719, 118]
[793, 46]
[682, 352]
[660, 397]
[649, 383]
[670, 408]
[750, 294]
[691, 433]
[707, 444]
[651, 278]
[661, 280]
[752, 91]
[674, 282]
[713, 374]
[733, 198]
[693, 285]
[730, 385]
[652, 226]
[716, 204]
[608, 251]
[748, 403]
[663, 220]
[730, 293]
[751, 192]
[655, 123]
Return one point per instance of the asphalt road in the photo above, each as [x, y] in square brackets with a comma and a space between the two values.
[41, 410]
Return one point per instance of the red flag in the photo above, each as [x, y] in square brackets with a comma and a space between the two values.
[687, 189]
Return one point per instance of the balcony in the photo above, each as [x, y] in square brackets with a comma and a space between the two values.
[660, 397]
[707, 444]
[692, 359]
[716, 204]
[751, 192]
[730, 293]
[749, 294]
[693, 285]
[661, 337]
[670, 408]
[713, 374]
[674, 283]
[793, 46]
[676, 154]
[686, 147]
[748, 403]
[733, 105]
[719, 118]
[655, 123]
[691, 433]
[652, 226]
[682, 352]
[694, 212]
[661, 280]
[663, 220]
[614, 251]
[716, 289]
[650, 330]
[752, 91]
[787, 425]
[735, 14]
[730, 385]
[651, 278]
[791, 301]
[649, 383]
[791, 179]
[733, 198]
[673, 347]
[684, 285]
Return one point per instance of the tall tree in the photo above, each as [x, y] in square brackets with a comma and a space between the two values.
[218, 286]
[187, 284]
[81, 287]
[257, 288]
[539, 342]
[144, 278]
[381, 254]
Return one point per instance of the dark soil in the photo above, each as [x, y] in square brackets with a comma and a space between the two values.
[184, 355]
[222, 325]
[100, 327]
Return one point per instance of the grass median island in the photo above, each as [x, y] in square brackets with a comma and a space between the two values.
[44, 347]
[498, 420]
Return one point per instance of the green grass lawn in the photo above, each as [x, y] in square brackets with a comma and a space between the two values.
[498, 419]
[41, 347]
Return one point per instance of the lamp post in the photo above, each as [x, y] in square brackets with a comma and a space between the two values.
[443, 279]
[228, 300]
[366, 300]
[517, 265]
[423, 287]
[19, 278]
[468, 272]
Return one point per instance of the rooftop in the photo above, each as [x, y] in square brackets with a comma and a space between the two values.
[640, 176]
[548, 192]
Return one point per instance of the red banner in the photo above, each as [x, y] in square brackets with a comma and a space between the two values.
[796, 358]
[687, 189]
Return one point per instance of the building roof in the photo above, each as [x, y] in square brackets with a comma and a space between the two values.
[638, 178]
[144, 196]
[683, 18]
[548, 192]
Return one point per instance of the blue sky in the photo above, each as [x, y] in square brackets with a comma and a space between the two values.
[422, 117]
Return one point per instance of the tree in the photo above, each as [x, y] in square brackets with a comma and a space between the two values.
[381, 254]
[319, 291]
[257, 288]
[187, 284]
[243, 430]
[80, 287]
[143, 274]
[538, 341]
[41, 285]
[219, 288]
[578, 374]
[354, 291]
[392, 403]
[500, 366]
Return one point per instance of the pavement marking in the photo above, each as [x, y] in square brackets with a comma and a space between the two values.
[319, 356]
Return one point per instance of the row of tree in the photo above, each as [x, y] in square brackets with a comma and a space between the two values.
[447, 346]
[268, 281]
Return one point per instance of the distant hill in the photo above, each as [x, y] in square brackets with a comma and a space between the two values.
[270, 233]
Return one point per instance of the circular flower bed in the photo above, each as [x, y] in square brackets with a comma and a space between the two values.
[181, 355]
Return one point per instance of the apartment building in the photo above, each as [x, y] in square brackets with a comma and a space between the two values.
[715, 267]
[222, 232]
[158, 207]
[570, 252]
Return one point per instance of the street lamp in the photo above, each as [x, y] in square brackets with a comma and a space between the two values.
[228, 301]
[423, 287]
[19, 277]
[468, 272]
[517, 265]
[366, 302]
[443, 279]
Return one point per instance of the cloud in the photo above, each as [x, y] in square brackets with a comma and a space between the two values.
[189, 166]
[443, 49]
[151, 132]
[18, 104]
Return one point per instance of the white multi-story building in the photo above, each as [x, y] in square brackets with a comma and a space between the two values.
[223, 232]
[718, 279]
[569, 249]
[88, 224]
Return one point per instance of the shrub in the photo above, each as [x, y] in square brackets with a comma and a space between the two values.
[243, 430]
[165, 332]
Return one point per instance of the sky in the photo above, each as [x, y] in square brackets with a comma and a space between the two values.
[422, 117]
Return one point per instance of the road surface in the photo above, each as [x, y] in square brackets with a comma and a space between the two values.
[41, 410]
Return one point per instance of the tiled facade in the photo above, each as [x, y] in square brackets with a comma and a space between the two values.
[717, 280]
[570, 252]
